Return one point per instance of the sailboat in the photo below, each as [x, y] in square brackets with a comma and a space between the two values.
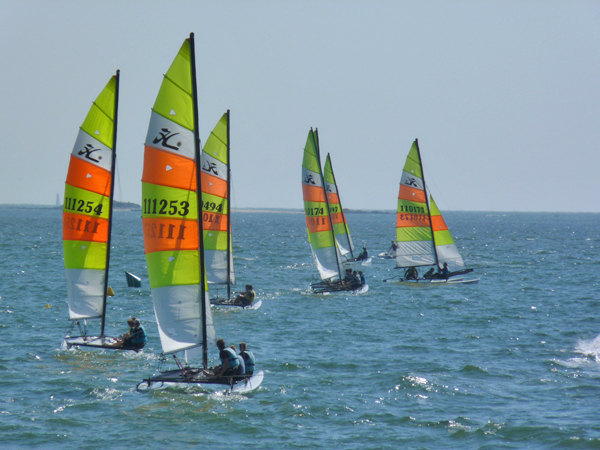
[423, 239]
[216, 216]
[87, 218]
[172, 210]
[321, 235]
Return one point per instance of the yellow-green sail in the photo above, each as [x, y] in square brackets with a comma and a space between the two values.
[216, 205]
[336, 212]
[318, 222]
[170, 195]
[87, 208]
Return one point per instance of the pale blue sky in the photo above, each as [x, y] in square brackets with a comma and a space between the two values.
[504, 96]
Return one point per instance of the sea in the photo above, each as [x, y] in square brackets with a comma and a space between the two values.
[512, 362]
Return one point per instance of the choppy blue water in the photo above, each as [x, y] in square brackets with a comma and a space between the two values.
[512, 362]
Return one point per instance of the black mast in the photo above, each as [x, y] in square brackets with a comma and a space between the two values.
[228, 215]
[200, 204]
[341, 209]
[110, 201]
[437, 263]
[316, 139]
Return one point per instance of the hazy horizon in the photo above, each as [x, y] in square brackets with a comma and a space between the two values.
[503, 96]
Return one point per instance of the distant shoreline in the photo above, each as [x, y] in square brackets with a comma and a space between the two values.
[124, 206]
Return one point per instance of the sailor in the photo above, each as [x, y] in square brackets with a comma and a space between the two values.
[429, 275]
[363, 255]
[411, 273]
[125, 338]
[229, 361]
[348, 276]
[363, 281]
[242, 368]
[355, 279]
[248, 358]
[445, 273]
[138, 336]
[246, 298]
[393, 248]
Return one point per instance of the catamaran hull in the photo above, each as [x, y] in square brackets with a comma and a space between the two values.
[231, 302]
[435, 282]
[177, 377]
[104, 342]
[328, 288]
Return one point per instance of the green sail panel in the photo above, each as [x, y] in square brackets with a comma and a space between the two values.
[318, 221]
[413, 227]
[86, 208]
[216, 211]
[170, 212]
[336, 212]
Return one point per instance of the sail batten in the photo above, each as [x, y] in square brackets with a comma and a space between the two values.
[87, 207]
[171, 212]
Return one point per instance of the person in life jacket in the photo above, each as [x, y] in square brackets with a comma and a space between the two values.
[229, 361]
[248, 358]
[363, 255]
[125, 338]
[246, 298]
[242, 366]
[138, 336]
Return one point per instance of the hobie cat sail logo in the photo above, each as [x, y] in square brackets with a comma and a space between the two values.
[210, 167]
[309, 179]
[87, 151]
[411, 182]
[163, 137]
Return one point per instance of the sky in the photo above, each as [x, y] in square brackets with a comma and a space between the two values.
[504, 96]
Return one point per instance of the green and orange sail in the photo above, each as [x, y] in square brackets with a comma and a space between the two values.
[217, 207]
[171, 211]
[87, 208]
[336, 212]
[421, 233]
[316, 209]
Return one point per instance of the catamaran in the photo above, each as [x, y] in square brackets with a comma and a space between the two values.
[173, 213]
[87, 219]
[423, 239]
[216, 187]
[321, 235]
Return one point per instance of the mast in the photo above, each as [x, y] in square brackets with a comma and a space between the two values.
[110, 203]
[341, 208]
[228, 214]
[199, 203]
[316, 137]
[428, 206]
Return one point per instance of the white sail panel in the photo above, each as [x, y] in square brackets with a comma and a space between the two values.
[327, 262]
[449, 254]
[216, 267]
[415, 253]
[179, 317]
[163, 134]
[85, 293]
[89, 149]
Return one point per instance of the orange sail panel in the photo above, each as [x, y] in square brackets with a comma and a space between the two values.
[87, 208]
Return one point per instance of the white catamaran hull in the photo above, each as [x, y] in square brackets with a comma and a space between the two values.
[176, 378]
[231, 302]
[105, 342]
[437, 282]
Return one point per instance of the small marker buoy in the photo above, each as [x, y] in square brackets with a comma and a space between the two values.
[110, 292]
[48, 306]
